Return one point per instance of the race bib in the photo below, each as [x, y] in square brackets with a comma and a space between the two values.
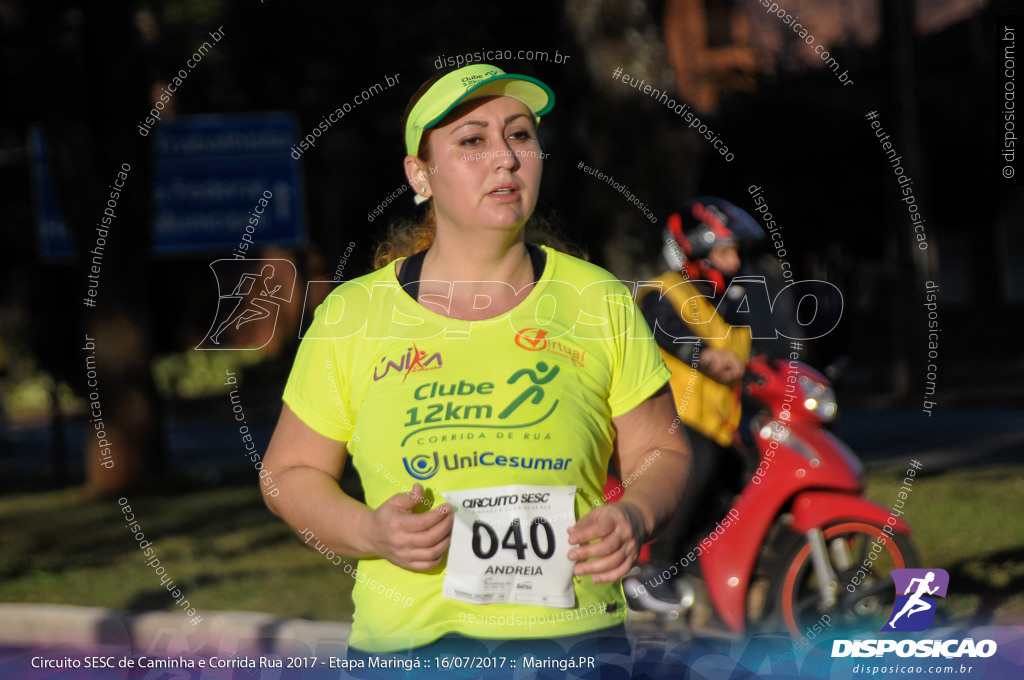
[510, 544]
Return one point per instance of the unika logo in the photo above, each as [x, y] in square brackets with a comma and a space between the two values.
[913, 609]
[413, 361]
[250, 294]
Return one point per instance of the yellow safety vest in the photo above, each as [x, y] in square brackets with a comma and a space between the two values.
[703, 404]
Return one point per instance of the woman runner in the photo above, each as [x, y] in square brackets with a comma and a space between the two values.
[480, 386]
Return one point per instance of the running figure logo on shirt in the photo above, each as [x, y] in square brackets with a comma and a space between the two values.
[451, 406]
[912, 611]
[533, 392]
[249, 291]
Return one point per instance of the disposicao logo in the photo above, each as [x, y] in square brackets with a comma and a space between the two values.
[914, 611]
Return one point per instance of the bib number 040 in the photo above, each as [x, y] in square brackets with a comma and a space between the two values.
[484, 534]
[508, 545]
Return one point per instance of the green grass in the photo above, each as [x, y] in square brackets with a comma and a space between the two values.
[222, 546]
[227, 552]
[969, 523]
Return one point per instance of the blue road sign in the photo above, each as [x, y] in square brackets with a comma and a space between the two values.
[224, 184]
[227, 182]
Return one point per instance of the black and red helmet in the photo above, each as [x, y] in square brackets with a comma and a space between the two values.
[705, 223]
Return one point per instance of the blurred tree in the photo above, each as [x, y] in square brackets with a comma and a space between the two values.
[88, 73]
[906, 257]
[91, 64]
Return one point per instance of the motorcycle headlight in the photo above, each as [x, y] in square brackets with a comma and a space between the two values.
[819, 398]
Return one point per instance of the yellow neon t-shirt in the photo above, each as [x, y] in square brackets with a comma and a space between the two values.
[523, 398]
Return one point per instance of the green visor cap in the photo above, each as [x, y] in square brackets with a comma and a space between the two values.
[470, 82]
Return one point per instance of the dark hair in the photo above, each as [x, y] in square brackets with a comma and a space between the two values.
[407, 237]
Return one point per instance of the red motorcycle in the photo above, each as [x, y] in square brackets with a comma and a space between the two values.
[799, 545]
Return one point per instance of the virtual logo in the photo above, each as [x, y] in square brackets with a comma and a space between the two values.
[532, 339]
[250, 294]
[536, 339]
[914, 609]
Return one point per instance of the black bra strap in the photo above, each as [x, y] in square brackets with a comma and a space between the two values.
[538, 258]
[412, 268]
[409, 276]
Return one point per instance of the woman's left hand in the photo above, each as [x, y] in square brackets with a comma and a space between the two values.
[609, 539]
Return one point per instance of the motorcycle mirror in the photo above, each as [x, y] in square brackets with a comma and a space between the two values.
[835, 370]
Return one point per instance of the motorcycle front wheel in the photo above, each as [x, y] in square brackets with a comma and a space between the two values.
[864, 591]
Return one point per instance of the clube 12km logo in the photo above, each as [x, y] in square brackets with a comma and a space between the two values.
[914, 611]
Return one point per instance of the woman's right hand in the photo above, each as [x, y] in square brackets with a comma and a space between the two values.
[413, 541]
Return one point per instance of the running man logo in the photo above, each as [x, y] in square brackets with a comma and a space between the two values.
[533, 392]
[249, 291]
[912, 611]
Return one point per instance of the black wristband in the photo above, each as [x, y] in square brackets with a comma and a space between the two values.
[636, 522]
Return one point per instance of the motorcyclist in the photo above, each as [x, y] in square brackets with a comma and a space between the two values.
[689, 313]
